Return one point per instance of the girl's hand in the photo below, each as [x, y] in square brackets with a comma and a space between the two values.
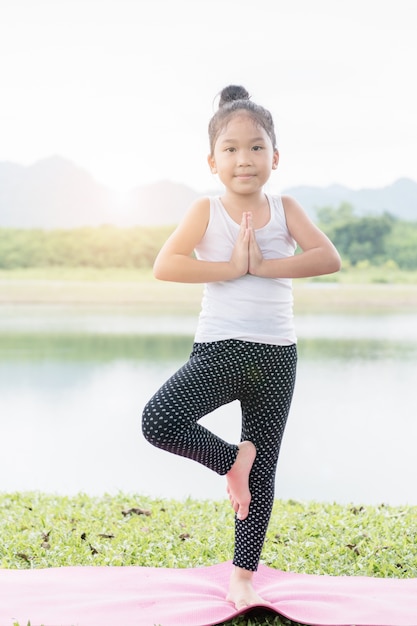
[255, 255]
[240, 255]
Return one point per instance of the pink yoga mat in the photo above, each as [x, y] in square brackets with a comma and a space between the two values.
[148, 596]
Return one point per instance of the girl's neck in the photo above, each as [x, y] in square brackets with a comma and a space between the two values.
[257, 204]
[244, 202]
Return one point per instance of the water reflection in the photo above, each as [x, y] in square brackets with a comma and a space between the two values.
[152, 347]
[71, 403]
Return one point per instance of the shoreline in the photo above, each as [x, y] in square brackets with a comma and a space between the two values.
[151, 297]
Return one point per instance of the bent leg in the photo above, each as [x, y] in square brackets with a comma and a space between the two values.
[196, 389]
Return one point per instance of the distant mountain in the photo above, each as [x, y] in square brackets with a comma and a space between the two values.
[399, 199]
[52, 193]
[56, 193]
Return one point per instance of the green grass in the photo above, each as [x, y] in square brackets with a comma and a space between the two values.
[39, 530]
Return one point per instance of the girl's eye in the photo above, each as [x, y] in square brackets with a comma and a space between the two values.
[257, 148]
[230, 149]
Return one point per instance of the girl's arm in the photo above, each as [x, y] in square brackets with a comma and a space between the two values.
[318, 256]
[175, 261]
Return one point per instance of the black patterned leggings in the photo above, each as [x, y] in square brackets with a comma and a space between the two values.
[261, 377]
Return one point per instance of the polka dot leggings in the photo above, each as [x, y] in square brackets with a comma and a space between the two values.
[261, 377]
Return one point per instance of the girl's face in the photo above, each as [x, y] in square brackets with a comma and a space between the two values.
[243, 155]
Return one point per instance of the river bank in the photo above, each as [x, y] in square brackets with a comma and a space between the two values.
[139, 291]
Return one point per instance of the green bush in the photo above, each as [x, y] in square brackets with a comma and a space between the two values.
[105, 246]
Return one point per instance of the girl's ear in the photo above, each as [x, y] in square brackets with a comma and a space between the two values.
[212, 164]
[275, 160]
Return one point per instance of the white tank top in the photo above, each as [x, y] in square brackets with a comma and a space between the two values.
[249, 308]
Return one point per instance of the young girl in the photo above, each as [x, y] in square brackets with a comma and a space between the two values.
[241, 245]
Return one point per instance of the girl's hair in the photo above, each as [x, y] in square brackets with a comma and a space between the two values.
[235, 98]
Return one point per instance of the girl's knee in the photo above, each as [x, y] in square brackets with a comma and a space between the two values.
[156, 426]
[149, 424]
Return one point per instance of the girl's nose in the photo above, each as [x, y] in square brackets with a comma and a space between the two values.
[244, 157]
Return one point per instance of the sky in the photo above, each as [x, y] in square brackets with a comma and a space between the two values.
[125, 88]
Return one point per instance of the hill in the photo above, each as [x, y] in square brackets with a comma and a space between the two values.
[399, 199]
[56, 193]
[52, 193]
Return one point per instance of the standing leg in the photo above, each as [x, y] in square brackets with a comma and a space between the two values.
[265, 407]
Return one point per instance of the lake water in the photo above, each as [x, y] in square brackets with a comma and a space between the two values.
[73, 384]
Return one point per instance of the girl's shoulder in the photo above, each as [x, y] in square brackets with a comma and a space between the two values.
[199, 208]
[196, 217]
[291, 207]
[201, 204]
[278, 205]
[289, 203]
[204, 208]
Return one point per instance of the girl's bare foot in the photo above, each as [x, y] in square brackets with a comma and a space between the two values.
[241, 591]
[238, 479]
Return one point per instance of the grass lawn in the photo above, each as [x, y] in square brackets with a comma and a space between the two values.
[39, 530]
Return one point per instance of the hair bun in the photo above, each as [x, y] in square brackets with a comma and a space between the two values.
[232, 93]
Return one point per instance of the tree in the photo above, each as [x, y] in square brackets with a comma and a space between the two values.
[357, 238]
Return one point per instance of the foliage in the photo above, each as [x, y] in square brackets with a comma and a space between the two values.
[374, 239]
[401, 245]
[105, 246]
[39, 530]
